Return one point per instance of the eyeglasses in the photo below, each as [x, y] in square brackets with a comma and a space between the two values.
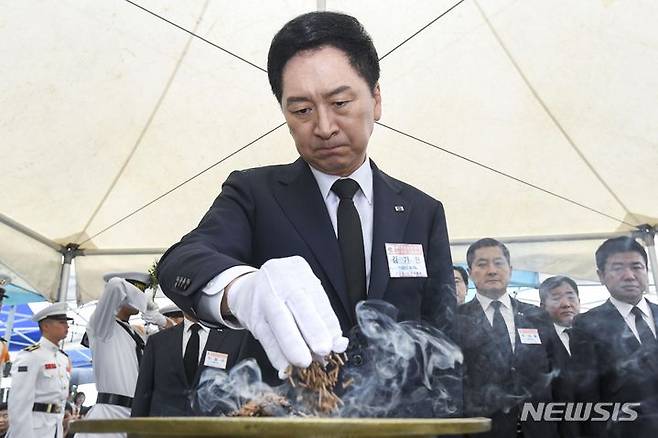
[138, 284]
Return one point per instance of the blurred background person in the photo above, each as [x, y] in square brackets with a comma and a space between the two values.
[560, 299]
[173, 313]
[77, 409]
[173, 362]
[116, 346]
[461, 283]
[614, 351]
[4, 420]
[503, 342]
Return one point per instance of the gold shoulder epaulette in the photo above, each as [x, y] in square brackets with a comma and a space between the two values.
[32, 347]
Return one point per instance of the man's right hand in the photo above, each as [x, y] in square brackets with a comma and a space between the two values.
[284, 306]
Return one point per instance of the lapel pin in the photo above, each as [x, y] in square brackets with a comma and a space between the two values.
[399, 208]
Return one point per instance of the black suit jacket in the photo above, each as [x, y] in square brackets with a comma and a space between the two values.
[611, 365]
[493, 388]
[162, 388]
[278, 211]
[563, 381]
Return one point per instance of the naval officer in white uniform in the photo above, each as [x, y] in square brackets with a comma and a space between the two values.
[40, 380]
[116, 347]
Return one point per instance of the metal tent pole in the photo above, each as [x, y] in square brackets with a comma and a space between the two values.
[68, 253]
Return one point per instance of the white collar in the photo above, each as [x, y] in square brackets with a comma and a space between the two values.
[485, 301]
[625, 308]
[47, 343]
[362, 175]
[187, 324]
[560, 328]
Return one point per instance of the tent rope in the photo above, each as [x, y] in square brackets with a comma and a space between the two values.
[552, 116]
[420, 30]
[228, 52]
[506, 175]
[144, 130]
[196, 175]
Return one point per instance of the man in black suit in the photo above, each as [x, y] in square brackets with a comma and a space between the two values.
[613, 346]
[503, 341]
[287, 251]
[559, 297]
[173, 361]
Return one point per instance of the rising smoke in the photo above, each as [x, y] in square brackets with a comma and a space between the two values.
[406, 369]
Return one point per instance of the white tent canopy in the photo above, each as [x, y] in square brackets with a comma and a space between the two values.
[530, 120]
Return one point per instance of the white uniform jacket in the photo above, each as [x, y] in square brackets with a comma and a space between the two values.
[40, 374]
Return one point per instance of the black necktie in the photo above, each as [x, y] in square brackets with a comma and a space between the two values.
[500, 332]
[350, 239]
[646, 336]
[191, 356]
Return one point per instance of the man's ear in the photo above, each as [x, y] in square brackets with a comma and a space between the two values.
[376, 93]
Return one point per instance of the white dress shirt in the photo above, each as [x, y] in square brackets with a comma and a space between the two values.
[362, 201]
[505, 309]
[203, 335]
[213, 292]
[564, 336]
[625, 311]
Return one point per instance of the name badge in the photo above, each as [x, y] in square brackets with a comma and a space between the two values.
[216, 360]
[529, 336]
[405, 260]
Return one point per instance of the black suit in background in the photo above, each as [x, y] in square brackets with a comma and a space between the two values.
[162, 388]
[492, 387]
[611, 365]
[563, 381]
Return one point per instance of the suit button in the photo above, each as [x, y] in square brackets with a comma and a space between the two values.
[357, 360]
[513, 369]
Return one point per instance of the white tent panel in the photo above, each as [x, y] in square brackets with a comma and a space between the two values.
[105, 107]
[31, 264]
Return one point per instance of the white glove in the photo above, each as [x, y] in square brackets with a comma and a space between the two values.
[155, 317]
[285, 307]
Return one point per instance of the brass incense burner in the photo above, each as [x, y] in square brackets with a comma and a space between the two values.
[307, 427]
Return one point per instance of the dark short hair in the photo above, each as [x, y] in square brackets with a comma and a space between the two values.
[462, 272]
[551, 283]
[317, 29]
[486, 243]
[617, 245]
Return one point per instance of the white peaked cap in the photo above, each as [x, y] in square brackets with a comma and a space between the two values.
[54, 311]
